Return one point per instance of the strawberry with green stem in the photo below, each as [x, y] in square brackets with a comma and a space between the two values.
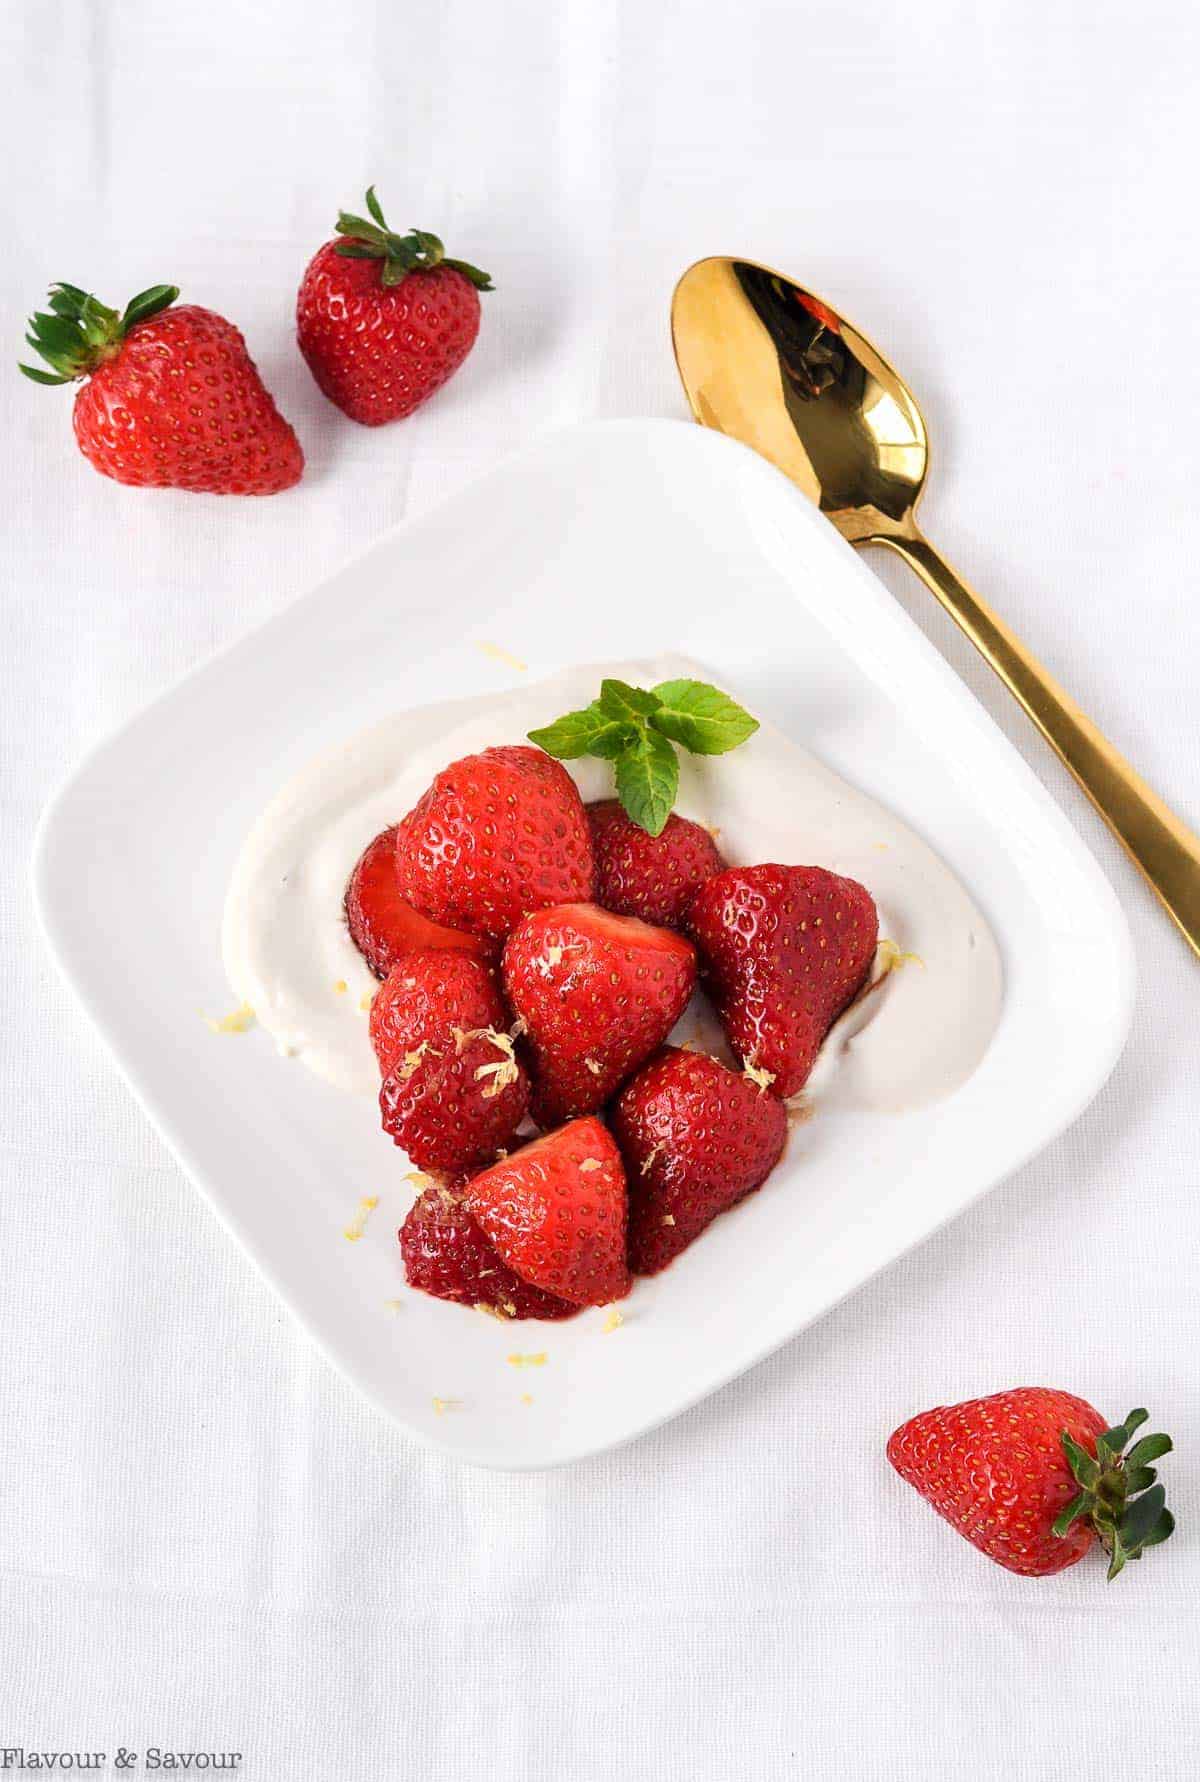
[170, 397]
[384, 319]
[1032, 1477]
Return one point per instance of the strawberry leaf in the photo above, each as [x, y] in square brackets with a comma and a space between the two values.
[1065, 1520]
[1082, 1464]
[1141, 1516]
[42, 377]
[701, 718]
[1162, 1530]
[1151, 1447]
[1110, 1442]
[147, 304]
[647, 780]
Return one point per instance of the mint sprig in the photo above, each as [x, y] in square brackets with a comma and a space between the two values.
[635, 728]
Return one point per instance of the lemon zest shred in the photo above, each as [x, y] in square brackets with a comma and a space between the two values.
[358, 1224]
[889, 957]
[495, 653]
[239, 1020]
[763, 1078]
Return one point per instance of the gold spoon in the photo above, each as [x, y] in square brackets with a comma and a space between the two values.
[764, 360]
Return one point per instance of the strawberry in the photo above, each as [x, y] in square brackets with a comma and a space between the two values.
[453, 1092]
[784, 949]
[173, 399]
[597, 994]
[496, 835]
[427, 995]
[555, 1211]
[382, 926]
[651, 876]
[382, 319]
[1032, 1477]
[446, 1254]
[696, 1138]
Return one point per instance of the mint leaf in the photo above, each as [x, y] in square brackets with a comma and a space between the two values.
[701, 718]
[636, 730]
[587, 732]
[647, 780]
[626, 704]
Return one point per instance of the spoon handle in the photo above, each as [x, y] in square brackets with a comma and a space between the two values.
[1157, 842]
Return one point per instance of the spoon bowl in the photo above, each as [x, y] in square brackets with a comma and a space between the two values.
[765, 360]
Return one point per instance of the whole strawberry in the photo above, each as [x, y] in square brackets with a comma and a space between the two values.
[383, 319]
[1033, 1476]
[651, 876]
[598, 994]
[783, 950]
[497, 834]
[696, 1138]
[555, 1210]
[453, 1092]
[172, 398]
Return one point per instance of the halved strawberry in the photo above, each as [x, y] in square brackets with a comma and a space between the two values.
[497, 834]
[696, 1138]
[382, 926]
[446, 1254]
[597, 993]
[555, 1211]
[784, 949]
[651, 876]
[453, 1091]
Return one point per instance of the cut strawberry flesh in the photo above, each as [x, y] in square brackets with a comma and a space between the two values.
[383, 926]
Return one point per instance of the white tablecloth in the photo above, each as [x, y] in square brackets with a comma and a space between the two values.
[206, 1540]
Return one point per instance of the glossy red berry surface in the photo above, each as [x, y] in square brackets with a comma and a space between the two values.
[783, 950]
[555, 1211]
[383, 926]
[696, 1138]
[496, 835]
[181, 405]
[446, 1254]
[378, 352]
[597, 994]
[453, 1091]
[995, 1469]
[651, 876]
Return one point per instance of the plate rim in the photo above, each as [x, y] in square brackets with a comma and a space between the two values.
[1104, 1059]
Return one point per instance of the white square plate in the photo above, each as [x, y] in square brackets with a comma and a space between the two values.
[612, 539]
